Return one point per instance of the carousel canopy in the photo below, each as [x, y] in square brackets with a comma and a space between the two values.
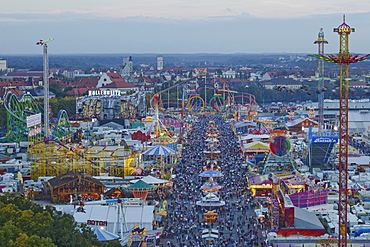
[210, 200]
[211, 162]
[104, 235]
[356, 186]
[212, 151]
[159, 150]
[150, 180]
[211, 197]
[211, 173]
[252, 136]
[211, 186]
[140, 185]
[211, 139]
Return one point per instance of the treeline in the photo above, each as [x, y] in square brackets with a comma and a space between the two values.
[25, 223]
[88, 61]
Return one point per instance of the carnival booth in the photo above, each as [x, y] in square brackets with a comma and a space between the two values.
[65, 187]
[164, 155]
[256, 147]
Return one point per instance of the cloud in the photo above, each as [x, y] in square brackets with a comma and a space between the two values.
[243, 33]
[187, 9]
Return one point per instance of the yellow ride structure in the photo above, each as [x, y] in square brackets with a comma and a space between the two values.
[51, 158]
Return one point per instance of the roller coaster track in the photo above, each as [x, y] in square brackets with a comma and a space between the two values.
[19, 109]
[230, 99]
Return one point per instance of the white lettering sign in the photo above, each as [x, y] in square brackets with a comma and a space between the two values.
[105, 93]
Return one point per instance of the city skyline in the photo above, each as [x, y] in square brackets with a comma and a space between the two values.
[180, 26]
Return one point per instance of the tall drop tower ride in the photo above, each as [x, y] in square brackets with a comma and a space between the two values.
[46, 87]
[321, 41]
[344, 59]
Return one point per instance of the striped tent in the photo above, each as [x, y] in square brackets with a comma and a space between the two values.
[104, 235]
[159, 150]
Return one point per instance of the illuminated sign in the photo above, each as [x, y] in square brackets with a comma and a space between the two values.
[324, 139]
[97, 223]
[344, 30]
[105, 93]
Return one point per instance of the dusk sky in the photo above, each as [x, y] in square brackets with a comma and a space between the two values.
[180, 26]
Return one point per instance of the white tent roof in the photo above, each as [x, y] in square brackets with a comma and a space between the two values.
[133, 215]
[150, 180]
[248, 137]
[360, 160]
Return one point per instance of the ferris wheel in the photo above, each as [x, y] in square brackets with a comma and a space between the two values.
[217, 103]
[280, 145]
[195, 104]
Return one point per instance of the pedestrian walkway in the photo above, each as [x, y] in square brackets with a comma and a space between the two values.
[236, 222]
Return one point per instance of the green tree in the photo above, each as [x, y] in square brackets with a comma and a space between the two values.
[3, 113]
[68, 89]
[57, 89]
[148, 97]
[67, 103]
[8, 232]
[34, 241]
[25, 223]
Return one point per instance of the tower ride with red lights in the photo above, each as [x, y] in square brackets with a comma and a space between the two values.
[344, 59]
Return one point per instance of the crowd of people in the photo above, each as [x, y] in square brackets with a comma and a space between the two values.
[361, 146]
[236, 222]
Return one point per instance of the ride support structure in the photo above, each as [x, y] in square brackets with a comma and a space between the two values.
[46, 86]
[344, 59]
[53, 158]
[321, 41]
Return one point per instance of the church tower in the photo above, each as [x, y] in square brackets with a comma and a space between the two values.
[159, 63]
[128, 67]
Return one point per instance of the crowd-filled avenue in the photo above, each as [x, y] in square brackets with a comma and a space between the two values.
[236, 224]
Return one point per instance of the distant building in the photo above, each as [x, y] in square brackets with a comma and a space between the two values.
[15, 91]
[266, 77]
[114, 81]
[87, 82]
[71, 73]
[282, 82]
[159, 63]
[39, 93]
[26, 74]
[75, 92]
[229, 74]
[128, 67]
[3, 65]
